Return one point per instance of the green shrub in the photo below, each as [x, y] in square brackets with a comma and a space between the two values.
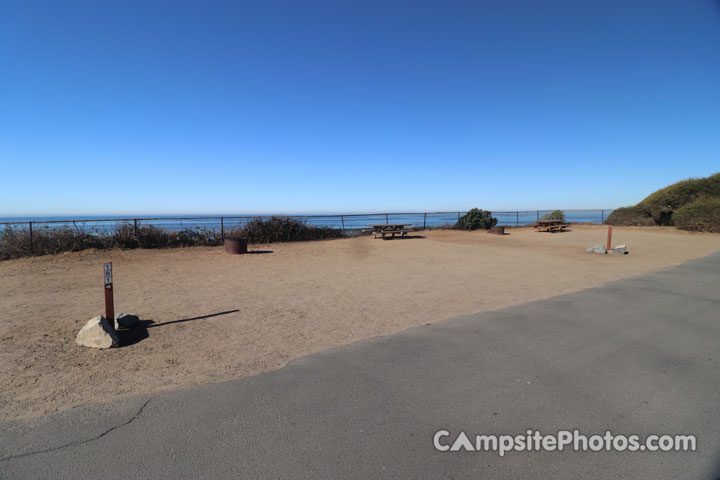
[659, 207]
[664, 202]
[627, 216]
[701, 215]
[554, 215]
[476, 219]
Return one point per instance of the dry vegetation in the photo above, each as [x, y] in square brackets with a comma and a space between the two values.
[15, 240]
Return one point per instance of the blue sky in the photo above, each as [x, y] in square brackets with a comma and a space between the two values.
[286, 107]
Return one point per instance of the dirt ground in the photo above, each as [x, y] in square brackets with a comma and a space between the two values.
[210, 317]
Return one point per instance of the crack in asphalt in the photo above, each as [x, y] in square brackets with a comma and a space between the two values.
[73, 444]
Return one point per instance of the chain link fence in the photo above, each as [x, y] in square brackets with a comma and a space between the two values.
[44, 236]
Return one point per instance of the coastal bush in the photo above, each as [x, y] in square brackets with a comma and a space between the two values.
[664, 202]
[150, 236]
[659, 208]
[15, 240]
[47, 240]
[476, 219]
[630, 216]
[554, 215]
[284, 229]
[198, 236]
[701, 215]
[443, 226]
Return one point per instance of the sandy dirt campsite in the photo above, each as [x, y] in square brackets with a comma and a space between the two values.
[211, 317]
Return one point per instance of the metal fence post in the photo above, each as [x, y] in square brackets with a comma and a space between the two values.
[386, 219]
[342, 219]
[538, 215]
[31, 240]
[222, 228]
[458, 216]
[135, 224]
[517, 219]
[424, 220]
[602, 216]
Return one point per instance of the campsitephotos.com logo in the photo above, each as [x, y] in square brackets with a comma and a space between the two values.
[536, 441]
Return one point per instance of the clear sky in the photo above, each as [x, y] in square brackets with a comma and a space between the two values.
[350, 106]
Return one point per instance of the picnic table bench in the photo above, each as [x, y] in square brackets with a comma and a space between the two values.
[391, 229]
[550, 226]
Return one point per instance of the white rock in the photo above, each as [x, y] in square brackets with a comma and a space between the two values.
[123, 320]
[97, 334]
[620, 249]
[597, 249]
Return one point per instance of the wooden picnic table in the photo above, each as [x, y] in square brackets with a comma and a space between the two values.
[391, 229]
[551, 225]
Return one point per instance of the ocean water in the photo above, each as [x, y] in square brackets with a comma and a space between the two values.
[106, 223]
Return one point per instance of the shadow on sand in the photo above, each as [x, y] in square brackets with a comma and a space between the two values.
[557, 231]
[139, 331]
[407, 237]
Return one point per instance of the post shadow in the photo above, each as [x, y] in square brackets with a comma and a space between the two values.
[183, 320]
[139, 331]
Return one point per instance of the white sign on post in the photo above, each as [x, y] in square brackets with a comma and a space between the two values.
[108, 272]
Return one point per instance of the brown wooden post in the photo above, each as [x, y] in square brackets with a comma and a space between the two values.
[109, 301]
[609, 242]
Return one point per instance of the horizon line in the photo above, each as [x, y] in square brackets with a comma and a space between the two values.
[295, 214]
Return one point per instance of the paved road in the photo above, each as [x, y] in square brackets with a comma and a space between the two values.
[639, 356]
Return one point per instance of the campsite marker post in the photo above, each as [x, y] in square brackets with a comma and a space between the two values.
[609, 237]
[109, 303]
